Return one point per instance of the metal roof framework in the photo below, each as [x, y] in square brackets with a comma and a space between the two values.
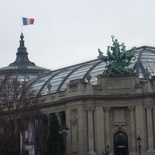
[145, 58]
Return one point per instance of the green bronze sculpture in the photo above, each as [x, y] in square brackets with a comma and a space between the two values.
[117, 59]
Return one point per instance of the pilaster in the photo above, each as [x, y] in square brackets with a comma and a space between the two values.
[150, 136]
[140, 127]
[100, 130]
[90, 108]
[107, 125]
[82, 130]
[132, 129]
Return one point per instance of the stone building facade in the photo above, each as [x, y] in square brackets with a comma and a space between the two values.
[113, 113]
[101, 112]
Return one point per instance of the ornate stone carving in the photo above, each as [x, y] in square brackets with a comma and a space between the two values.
[89, 78]
[49, 86]
[147, 74]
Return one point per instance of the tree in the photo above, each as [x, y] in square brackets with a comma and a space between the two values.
[55, 142]
[9, 135]
[18, 109]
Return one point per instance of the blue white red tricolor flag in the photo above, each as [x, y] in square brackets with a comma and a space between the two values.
[28, 21]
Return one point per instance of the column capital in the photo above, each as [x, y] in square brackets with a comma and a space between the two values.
[90, 107]
[107, 108]
[131, 108]
[149, 107]
[59, 114]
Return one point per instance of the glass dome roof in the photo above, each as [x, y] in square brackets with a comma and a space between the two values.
[22, 68]
[145, 58]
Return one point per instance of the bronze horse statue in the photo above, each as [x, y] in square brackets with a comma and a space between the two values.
[102, 57]
[130, 54]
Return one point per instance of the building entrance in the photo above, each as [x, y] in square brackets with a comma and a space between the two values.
[120, 143]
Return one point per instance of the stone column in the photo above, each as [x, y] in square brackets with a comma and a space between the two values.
[48, 118]
[68, 137]
[150, 128]
[132, 129]
[90, 131]
[21, 143]
[58, 114]
[107, 126]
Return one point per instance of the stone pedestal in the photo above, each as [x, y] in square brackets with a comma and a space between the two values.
[122, 84]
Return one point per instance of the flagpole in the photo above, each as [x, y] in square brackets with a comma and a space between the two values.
[22, 25]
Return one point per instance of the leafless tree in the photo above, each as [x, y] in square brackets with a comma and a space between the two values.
[17, 108]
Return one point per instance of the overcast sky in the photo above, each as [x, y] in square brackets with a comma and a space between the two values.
[66, 32]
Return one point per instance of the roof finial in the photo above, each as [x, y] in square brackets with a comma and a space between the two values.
[22, 41]
[21, 36]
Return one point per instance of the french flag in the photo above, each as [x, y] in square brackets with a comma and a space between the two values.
[28, 21]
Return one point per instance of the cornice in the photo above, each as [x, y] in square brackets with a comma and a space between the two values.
[96, 97]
